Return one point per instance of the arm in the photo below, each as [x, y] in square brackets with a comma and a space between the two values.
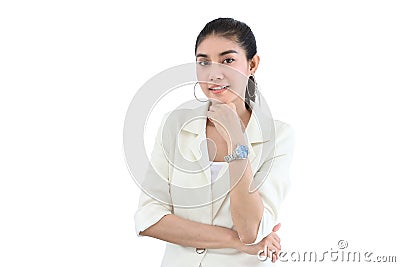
[174, 229]
[246, 207]
[275, 183]
[154, 216]
[177, 230]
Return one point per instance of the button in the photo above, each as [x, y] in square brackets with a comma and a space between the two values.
[200, 250]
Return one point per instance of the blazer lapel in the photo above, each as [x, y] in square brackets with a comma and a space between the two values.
[198, 145]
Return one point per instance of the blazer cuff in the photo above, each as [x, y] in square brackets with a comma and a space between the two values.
[147, 216]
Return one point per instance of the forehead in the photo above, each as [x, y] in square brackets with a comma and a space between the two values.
[213, 45]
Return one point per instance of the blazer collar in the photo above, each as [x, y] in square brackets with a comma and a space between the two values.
[259, 129]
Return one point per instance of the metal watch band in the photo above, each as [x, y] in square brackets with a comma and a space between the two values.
[237, 153]
[230, 157]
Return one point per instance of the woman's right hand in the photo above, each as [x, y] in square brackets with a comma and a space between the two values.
[270, 245]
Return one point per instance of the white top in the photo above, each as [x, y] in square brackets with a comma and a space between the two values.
[216, 167]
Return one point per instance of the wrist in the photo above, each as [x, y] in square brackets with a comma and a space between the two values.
[234, 141]
[235, 241]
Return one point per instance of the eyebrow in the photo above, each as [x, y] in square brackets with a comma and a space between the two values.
[220, 54]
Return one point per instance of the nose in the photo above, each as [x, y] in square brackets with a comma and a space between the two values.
[215, 73]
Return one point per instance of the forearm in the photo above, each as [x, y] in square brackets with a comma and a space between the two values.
[246, 207]
[180, 231]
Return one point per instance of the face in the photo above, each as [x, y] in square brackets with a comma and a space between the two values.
[223, 69]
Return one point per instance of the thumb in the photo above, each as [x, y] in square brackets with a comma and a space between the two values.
[276, 227]
[232, 106]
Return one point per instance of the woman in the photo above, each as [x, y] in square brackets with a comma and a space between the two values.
[202, 225]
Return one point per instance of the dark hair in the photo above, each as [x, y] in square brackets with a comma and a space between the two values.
[240, 33]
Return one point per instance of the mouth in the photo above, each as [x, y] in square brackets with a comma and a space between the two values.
[217, 89]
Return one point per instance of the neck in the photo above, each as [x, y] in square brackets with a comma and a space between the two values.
[242, 112]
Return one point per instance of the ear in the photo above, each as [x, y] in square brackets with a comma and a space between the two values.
[254, 63]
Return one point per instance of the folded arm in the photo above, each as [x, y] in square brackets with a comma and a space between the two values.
[184, 232]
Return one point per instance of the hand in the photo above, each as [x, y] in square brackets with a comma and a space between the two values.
[270, 245]
[226, 120]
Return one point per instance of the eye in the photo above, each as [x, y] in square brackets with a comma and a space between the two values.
[203, 63]
[228, 60]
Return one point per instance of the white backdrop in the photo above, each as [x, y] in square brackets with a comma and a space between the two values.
[69, 69]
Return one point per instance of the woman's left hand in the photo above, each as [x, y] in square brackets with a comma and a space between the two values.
[269, 246]
[226, 121]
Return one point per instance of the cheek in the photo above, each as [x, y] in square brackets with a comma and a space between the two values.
[238, 80]
[241, 69]
[202, 80]
[237, 71]
[204, 87]
[202, 75]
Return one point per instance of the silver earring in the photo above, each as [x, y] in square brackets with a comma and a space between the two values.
[194, 93]
[256, 92]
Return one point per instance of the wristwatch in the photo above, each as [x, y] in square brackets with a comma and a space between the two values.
[240, 152]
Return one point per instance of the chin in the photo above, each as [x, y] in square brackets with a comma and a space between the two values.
[224, 99]
[220, 100]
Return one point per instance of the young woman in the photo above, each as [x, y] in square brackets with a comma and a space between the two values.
[236, 228]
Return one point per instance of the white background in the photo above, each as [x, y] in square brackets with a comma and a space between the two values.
[69, 69]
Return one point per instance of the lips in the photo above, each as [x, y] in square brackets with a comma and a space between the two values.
[218, 88]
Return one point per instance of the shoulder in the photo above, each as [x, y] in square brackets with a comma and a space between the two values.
[282, 127]
[284, 132]
[178, 117]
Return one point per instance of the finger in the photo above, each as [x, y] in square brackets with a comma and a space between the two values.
[276, 254]
[273, 236]
[213, 101]
[274, 257]
[215, 106]
[232, 106]
[276, 245]
[266, 250]
[273, 242]
[276, 227]
[276, 239]
[273, 245]
[272, 249]
[271, 252]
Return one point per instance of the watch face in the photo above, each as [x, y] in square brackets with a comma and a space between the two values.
[242, 152]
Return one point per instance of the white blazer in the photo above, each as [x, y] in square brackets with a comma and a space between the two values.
[178, 181]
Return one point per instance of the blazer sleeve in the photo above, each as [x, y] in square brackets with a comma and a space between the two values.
[276, 185]
[155, 199]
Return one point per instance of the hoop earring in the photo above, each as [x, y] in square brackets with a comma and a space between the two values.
[194, 93]
[256, 92]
